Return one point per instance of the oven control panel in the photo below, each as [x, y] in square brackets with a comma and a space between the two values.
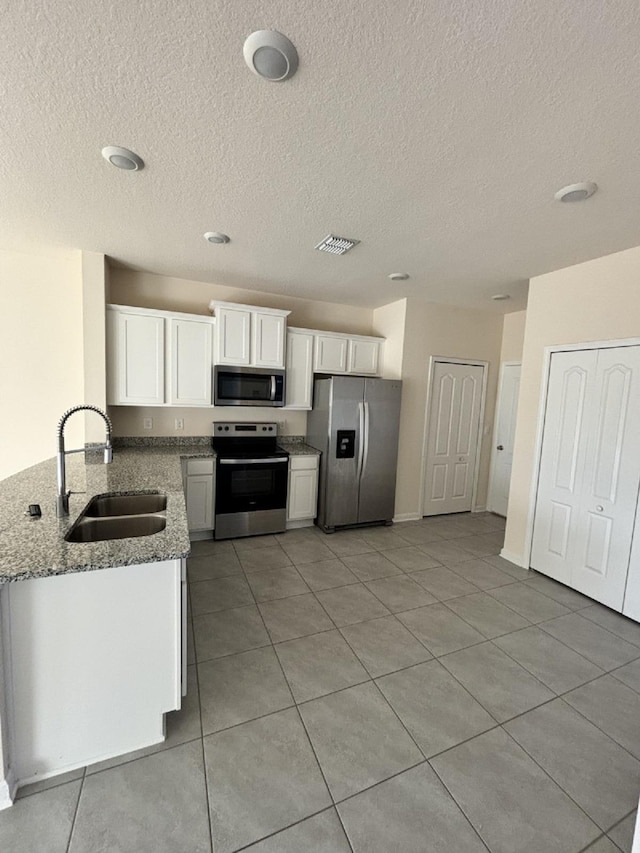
[245, 430]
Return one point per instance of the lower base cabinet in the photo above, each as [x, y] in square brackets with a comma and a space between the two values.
[302, 501]
[199, 492]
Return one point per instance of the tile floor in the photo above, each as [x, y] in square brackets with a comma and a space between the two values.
[390, 689]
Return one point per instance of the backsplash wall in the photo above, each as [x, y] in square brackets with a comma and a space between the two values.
[128, 420]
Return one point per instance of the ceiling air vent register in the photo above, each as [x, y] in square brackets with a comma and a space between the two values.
[336, 245]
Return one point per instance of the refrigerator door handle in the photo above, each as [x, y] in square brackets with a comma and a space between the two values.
[361, 434]
[365, 455]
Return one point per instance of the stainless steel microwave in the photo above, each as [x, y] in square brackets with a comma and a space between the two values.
[247, 386]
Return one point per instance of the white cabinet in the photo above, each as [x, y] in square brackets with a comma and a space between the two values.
[302, 500]
[338, 353]
[191, 364]
[247, 335]
[330, 354]
[364, 356]
[158, 358]
[135, 359]
[269, 335]
[299, 381]
[233, 336]
[199, 491]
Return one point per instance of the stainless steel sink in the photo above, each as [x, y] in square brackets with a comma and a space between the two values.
[120, 517]
[140, 504]
[115, 527]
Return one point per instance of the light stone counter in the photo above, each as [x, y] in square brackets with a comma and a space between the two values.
[35, 548]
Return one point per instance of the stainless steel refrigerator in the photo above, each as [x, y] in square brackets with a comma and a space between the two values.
[354, 423]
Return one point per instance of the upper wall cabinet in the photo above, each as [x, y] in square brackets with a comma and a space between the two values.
[299, 385]
[135, 359]
[248, 335]
[337, 353]
[190, 358]
[158, 358]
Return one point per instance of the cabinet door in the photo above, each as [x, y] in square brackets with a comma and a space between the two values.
[303, 494]
[299, 379]
[330, 354]
[233, 336]
[138, 360]
[190, 363]
[199, 498]
[268, 340]
[364, 357]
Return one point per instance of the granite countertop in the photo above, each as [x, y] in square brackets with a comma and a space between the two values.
[31, 548]
[296, 446]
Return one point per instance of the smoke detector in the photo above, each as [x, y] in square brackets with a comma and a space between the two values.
[336, 245]
[271, 55]
[215, 237]
[576, 192]
[399, 276]
[122, 158]
[500, 297]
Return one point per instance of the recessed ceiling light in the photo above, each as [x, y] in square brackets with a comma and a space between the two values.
[399, 276]
[122, 158]
[500, 297]
[576, 192]
[216, 237]
[270, 55]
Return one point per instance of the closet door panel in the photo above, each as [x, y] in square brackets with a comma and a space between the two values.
[571, 380]
[611, 478]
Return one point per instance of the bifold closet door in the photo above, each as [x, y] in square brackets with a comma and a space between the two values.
[590, 471]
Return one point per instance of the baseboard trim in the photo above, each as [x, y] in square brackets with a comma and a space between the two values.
[8, 788]
[479, 509]
[406, 516]
[517, 559]
[297, 524]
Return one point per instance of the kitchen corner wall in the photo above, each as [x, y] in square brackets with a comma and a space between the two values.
[41, 354]
[595, 301]
[145, 290]
[422, 330]
[513, 336]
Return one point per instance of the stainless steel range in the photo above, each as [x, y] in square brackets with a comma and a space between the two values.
[251, 480]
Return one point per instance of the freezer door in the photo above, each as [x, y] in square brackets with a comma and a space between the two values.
[380, 450]
[343, 459]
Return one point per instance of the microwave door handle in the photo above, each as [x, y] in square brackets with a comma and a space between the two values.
[273, 388]
[361, 428]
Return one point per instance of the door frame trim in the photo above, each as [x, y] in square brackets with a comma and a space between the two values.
[473, 362]
[525, 562]
[492, 463]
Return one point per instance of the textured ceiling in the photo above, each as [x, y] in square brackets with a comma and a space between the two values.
[434, 132]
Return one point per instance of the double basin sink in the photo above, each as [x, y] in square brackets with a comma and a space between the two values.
[120, 517]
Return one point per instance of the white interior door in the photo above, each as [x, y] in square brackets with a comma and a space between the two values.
[503, 436]
[590, 471]
[452, 437]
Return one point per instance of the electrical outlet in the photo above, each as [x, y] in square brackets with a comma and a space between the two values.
[147, 423]
[179, 423]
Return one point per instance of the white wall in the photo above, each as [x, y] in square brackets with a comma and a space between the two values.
[595, 301]
[94, 340]
[144, 290]
[41, 354]
[513, 336]
[422, 330]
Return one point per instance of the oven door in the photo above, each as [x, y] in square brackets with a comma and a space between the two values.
[251, 485]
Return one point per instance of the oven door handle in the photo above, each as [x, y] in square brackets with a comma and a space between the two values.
[263, 461]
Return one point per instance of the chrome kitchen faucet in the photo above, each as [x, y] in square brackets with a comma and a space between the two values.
[62, 495]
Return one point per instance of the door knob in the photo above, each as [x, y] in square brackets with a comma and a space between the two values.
[599, 508]
[500, 447]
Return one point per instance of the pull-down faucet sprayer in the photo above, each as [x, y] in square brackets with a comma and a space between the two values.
[62, 495]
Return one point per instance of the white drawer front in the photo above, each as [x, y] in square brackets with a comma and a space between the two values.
[199, 466]
[299, 463]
